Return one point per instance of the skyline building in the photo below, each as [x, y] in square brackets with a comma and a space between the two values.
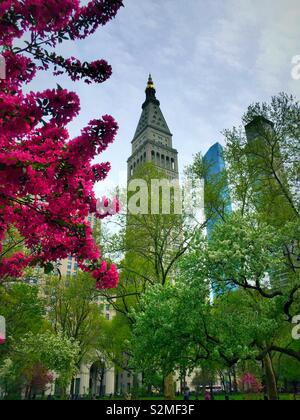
[263, 147]
[153, 140]
[216, 171]
[214, 160]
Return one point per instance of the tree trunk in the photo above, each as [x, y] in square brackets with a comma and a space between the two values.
[235, 382]
[169, 388]
[230, 381]
[270, 378]
[222, 380]
[204, 385]
[102, 374]
[211, 387]
[27, 392]
[72, 390]
[135, 385]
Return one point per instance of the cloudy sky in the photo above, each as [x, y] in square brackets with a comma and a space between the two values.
[209, 59]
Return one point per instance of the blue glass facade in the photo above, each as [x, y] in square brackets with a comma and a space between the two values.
[216, 166]
[214, 159]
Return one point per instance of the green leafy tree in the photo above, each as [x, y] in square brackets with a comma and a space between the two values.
[148, 247]
[23, 310]
[53, 352]
[263, 166]
[74, 309]
[178, 328]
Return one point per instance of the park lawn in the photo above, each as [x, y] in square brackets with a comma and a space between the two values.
[233, 397]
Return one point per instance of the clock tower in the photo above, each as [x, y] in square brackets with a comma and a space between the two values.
[152, 141]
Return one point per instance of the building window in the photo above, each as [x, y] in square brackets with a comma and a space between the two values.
[107, 316]
[168, 162]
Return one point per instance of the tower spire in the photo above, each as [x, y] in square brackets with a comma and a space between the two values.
[150, 93]
[150, 84]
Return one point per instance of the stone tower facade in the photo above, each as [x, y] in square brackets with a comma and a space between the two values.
[152, 141]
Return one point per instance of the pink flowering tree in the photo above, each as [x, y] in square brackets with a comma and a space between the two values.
[37, 380]
[46, 178]
[249, 383]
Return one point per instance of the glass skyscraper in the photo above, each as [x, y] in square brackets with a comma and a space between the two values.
[214, 160]
[216, 174]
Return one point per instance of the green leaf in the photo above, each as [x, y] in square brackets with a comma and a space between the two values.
[48, 268]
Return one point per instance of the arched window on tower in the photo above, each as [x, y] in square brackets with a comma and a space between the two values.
[157, 158]
[173, 164]
[168, 162]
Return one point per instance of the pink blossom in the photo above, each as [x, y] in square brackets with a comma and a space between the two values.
[14, 266]
[47, 179]
[250, 383]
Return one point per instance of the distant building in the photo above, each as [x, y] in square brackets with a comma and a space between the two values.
[263, 146]
[258, 128]
[214, 160]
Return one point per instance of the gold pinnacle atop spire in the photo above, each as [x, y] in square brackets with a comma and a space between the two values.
[150, 84]
[150, 93]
